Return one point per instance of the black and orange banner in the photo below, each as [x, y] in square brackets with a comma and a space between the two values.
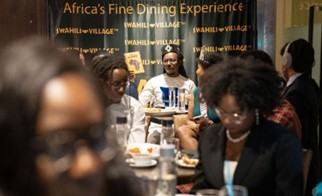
[124, 26]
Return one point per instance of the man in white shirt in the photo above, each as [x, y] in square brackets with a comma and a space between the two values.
[157, 87]
[113, 73]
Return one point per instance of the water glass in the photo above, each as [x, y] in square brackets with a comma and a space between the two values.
[233, 190]
[182, 100]
[207, 192]
[172, 97]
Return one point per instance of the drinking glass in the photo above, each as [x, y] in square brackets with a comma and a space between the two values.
[172, 97]
[233, 190]
[182, 100]
[207, 192]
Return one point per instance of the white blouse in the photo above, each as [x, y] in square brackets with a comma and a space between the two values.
[229, 170]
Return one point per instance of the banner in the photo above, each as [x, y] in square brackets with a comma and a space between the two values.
[124, 26]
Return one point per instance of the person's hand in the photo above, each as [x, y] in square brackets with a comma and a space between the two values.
[203, 123]
[132, 76]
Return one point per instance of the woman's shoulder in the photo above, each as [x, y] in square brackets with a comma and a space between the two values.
[212, 130]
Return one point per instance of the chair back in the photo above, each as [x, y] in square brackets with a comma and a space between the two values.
[179, 120]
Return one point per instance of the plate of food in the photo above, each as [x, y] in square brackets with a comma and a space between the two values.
[187, 162]
[133, 163]
[159, 111]
[143, 148]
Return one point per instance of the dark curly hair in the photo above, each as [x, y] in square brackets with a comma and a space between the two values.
[254, 84]
[302, 53]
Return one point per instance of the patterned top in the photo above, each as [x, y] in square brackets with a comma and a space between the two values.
[286, 116]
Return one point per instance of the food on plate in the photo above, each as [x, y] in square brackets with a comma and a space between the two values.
[135, 150]
[152, 109]
[188, 161]
[150, 150]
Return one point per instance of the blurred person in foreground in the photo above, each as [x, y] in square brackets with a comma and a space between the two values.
[284, 114]
[304, 94]
[53, 141]
[189, 134]
[112, 72]
[245, 148]
[77, 54]
[157, 88]
[131, 89]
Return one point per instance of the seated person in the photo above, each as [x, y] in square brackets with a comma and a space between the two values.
[189, 134]
[245, 148]
[157, 87]
[112, 72]
[52, 141]
[284, 114]
[302, 91]
[131, 89]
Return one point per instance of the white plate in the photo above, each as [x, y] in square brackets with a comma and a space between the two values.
[182, 112]
[144, 148]
[132, 163]
[183, 164]
[159, 112]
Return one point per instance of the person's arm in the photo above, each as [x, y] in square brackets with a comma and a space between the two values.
[191, 107]
[146, 94]
[190, 120]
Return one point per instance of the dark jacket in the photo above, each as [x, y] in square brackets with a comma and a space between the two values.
[271, 162]
[304, 95]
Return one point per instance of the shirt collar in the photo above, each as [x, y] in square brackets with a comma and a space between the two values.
[292, 78]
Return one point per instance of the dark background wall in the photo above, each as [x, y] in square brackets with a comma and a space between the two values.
[20, 18]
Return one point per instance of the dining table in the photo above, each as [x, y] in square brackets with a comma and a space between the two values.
[185, 162]
[185, 172]
[184, 175]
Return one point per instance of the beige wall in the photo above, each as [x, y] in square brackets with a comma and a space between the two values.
[279, 33]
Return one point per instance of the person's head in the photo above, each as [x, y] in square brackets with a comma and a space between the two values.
[113, 72]
[298, 56]
[98, 55]
[206, 60]
[172, 61]
[262, 56]
[78, 55]
[241, 91]
[51, 115]
[259, 55]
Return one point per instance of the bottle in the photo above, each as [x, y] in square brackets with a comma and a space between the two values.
[121, 131]
[167, 171]
[167, 132]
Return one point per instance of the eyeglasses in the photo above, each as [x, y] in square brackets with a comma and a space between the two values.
[118, 85]
[235, 118]
[169, 60]
[61, 145]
